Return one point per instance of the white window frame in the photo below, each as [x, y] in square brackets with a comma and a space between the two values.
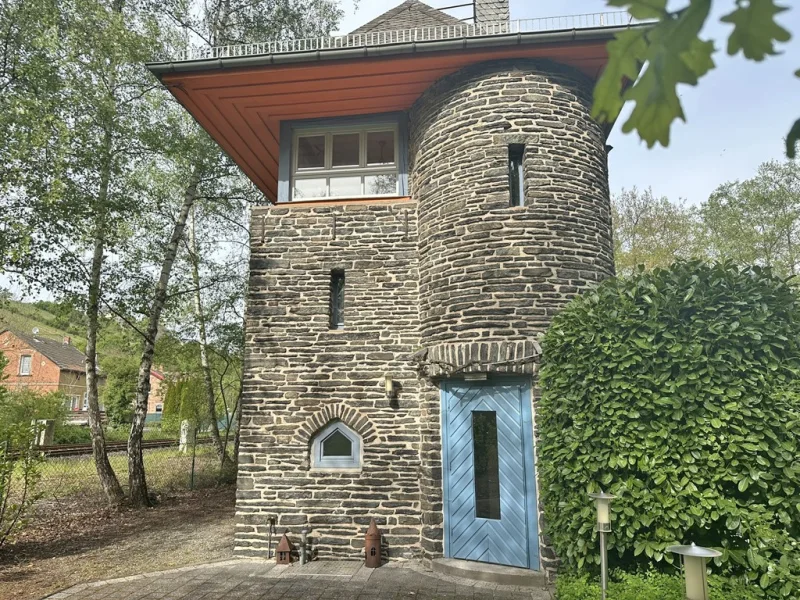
[22, 362]
[362, 170]
[336, 463]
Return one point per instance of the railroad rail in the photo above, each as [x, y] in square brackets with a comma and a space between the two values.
[80, 449]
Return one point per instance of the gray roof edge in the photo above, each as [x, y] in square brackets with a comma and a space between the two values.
[52, 349]
[465, 43]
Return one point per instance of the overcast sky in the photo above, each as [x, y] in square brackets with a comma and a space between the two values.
[737, 117]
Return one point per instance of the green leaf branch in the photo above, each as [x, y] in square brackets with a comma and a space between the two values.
[672, 53]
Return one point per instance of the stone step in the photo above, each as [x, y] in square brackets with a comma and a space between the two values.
[498, 574]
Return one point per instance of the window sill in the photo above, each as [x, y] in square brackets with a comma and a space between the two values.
[341, 201]
[335, 470]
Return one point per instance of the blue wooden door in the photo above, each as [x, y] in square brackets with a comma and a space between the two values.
[490, 510]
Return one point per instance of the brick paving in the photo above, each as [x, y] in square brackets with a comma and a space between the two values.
[257, 580]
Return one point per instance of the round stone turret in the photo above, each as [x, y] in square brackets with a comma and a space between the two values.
[491, 272]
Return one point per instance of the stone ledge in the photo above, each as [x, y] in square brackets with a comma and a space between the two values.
[447, 360]
[498, 574]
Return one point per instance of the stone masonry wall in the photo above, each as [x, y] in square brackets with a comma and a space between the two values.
[300, 375]
[490, 273]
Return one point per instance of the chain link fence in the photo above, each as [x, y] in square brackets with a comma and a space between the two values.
[67, 473]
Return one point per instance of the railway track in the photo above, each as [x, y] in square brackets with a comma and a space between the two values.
[78, 449]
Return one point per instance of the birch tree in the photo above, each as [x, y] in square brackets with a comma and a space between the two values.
[215, 23]
[72, 212]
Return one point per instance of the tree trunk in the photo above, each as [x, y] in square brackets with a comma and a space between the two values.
[108, 479]
[201, 323]
[136, 474]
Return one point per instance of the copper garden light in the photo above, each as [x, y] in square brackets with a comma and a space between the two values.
[283, 553]
[603, 502]
[372, 546]
[694, 569]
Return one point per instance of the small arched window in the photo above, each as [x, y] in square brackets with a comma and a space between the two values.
[336, 446]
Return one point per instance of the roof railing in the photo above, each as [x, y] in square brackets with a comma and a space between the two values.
[419, 34]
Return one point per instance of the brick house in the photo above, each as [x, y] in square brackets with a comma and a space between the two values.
[46, 365]
[437, 191]
[155, 401]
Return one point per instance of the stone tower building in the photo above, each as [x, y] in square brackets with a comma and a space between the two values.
[437, 192]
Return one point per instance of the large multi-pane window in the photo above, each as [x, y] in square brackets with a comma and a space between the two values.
[345, 163]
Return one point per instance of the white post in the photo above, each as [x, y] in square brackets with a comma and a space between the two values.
[187, 435]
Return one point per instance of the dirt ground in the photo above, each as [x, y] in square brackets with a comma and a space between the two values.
[67, 544]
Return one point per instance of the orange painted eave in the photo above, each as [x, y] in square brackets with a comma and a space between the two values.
[242, 109]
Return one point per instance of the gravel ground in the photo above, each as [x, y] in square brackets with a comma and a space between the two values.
[71, 543]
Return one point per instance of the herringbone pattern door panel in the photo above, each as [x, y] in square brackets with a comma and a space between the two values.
[487, 483]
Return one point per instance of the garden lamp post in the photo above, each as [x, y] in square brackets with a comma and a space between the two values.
[603, 502]
[694, 569]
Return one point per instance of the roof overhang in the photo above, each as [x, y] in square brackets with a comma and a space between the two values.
[242, 100]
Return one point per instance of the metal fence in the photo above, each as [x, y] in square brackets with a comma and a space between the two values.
[441, 32]
[67, 477]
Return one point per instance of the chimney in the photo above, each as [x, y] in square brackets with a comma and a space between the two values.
[67, 340]
[492, 11]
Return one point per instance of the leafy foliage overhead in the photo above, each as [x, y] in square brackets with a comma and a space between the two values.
[677, 391]
[674, 54]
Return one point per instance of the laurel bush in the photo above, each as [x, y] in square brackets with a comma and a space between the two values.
[677, 391]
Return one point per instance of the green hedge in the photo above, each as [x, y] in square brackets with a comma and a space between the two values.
[647, 586]
[677, 391]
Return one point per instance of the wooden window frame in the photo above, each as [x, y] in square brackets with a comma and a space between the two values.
[291, 131]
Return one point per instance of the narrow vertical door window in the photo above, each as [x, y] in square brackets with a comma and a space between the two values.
[487, 465]
[337, 300]
[516, 174]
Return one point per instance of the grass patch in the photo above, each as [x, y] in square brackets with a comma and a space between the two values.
[650, 585]
[167, 470]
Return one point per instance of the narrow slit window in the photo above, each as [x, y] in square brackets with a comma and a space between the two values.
[516, 173]
[486, 464]
[337, 300]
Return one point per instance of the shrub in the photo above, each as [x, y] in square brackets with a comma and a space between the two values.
[72, 434]
[25, 406]
[19, 461]
[119, 391]
[676, 391]
[647, 586]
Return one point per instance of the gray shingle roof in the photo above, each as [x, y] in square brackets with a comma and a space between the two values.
[409, 15]
[66, 356]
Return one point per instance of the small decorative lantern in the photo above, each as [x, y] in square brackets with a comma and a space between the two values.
[372, 546]
[389, 383]
[283, 553]
[603, 502]
[694, 569]
[603, 527]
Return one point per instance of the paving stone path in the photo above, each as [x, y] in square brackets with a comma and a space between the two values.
[319, 580]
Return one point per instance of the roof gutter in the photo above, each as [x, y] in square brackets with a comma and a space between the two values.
[465, 43]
